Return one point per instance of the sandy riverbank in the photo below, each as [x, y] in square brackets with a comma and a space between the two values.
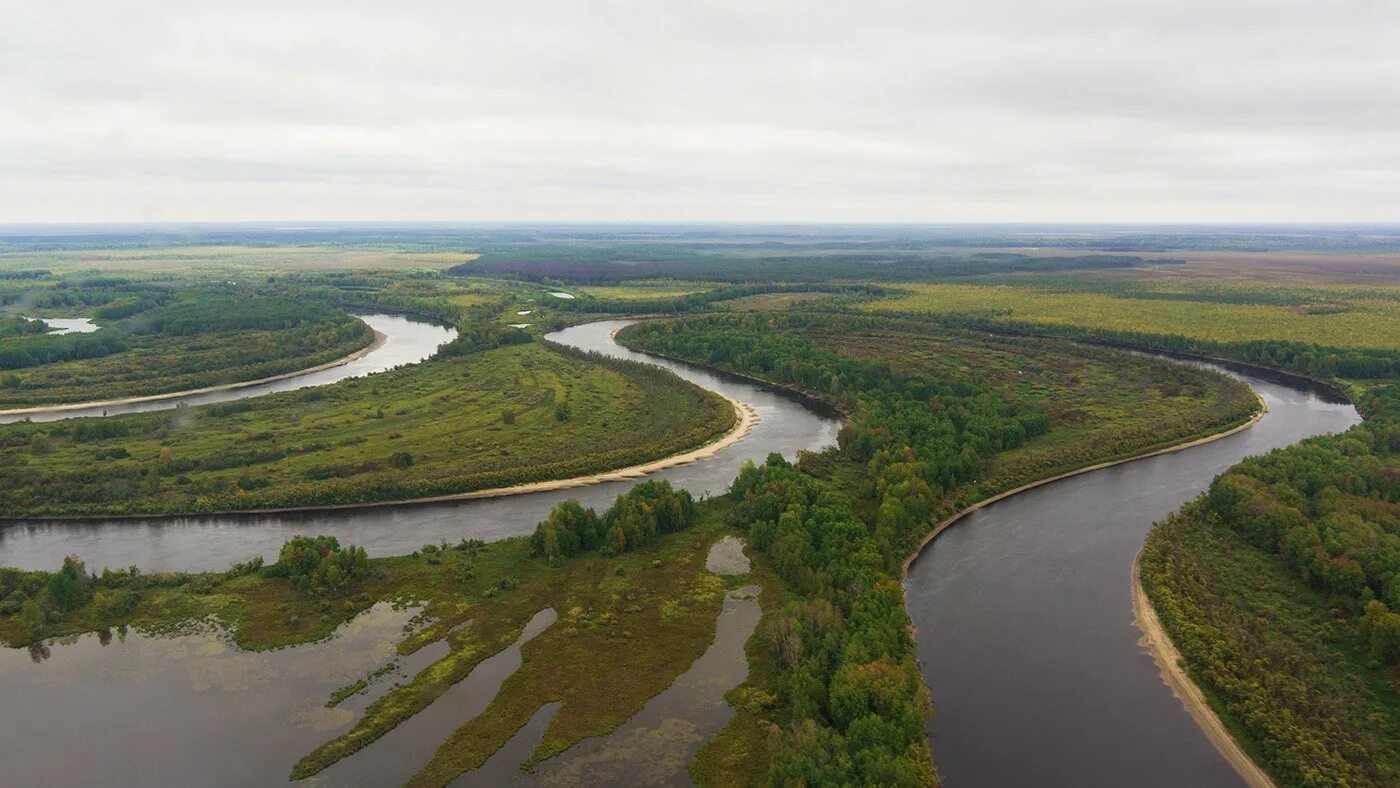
[1164, 653]
[379, 340]
[1154, 637]
[745, 419]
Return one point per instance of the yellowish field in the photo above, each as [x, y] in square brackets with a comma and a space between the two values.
[1366, 323]
[187, 258]
[644, 291]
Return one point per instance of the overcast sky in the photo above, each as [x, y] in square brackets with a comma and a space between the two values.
[981, 110]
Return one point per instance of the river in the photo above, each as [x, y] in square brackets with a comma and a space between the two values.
[214, 542]
[406, 341]
[1025, 623]
[1023, 609]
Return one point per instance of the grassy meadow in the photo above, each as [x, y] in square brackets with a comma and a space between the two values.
[1357, 319]
[495, 418]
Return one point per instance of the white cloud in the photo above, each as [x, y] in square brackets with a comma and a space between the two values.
[862, 111]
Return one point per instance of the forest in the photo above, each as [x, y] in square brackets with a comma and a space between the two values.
[836, 527]
[154, 341]
[1307, 539]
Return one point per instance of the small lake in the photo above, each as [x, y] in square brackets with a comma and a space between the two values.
[68, 325]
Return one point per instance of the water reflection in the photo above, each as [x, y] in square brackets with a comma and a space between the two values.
[182, 708]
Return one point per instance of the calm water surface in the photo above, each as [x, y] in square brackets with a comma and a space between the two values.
[406, 341]
[1025, 624]
[213, 543]
[1023, 613]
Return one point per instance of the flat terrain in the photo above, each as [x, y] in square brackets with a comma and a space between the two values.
[209, 259]
[157, 364]
[1102, 404]
[500, 417]
[1356, 321]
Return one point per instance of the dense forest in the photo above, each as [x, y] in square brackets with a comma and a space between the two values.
[850, 682]
[613, 263]
[1280, 587]
[1297, 357]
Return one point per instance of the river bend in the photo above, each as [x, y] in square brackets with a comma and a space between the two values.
[213, 542]
[1025, 622]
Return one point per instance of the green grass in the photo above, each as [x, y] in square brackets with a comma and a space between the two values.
[225, 259]
[628, 626]
[158, 364]
[1361, 322]
[1103, 404]
[648, 290]
[452, 425]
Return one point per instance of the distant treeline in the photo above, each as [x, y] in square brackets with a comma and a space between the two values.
[158, 312]
[1299, 357]
[611, 264]
[696, 301]
[36, 273]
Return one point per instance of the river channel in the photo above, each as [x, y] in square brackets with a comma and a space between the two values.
[214, 542]
[1025, 622]
[1023, 609]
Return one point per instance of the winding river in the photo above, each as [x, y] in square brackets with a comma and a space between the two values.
[1023, 609]
[214, 542]
[405, 341]
[1025, 623]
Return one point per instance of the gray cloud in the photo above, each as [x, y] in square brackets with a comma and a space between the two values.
[1088, 110]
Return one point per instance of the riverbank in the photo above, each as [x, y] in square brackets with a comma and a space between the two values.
[379, 339]
[744, 420]
[1156, 641]
[954, 518]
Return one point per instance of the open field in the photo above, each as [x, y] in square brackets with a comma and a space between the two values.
[510, 415]
[647, 290]
[206, 260]
[1356, 323]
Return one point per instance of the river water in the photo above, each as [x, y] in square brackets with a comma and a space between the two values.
[1025, 622]
[406, 341]
[1023, 609]
[215, 542]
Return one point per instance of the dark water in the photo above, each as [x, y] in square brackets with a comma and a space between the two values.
[213, 543]
[408, 342]
[178, 710]
[398, 754]
[1025, 624]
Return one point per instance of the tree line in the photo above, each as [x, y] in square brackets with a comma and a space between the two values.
[637, 518]
[849, 679]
